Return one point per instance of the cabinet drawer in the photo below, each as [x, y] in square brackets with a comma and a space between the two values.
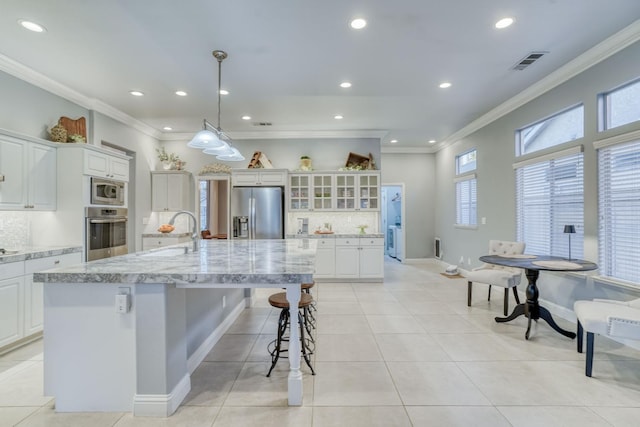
[371, 241]
[41, 264]
[347, 241]
[326, 243]
[11, 269]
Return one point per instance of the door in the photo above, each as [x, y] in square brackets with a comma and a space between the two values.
[267, 220]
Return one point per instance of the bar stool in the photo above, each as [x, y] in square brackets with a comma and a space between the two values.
[310, 317]
[275, 348]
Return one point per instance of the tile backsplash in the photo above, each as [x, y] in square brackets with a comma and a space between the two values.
[341, 222]
[15, 229]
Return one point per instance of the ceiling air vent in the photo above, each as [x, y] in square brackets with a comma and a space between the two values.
[262, 123]
[528, 60]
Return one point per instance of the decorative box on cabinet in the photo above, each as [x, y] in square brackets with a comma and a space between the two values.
[27, 175]
[170, 190]
[253, 177]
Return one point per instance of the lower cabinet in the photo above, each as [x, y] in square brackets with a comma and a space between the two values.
[350, 258]
[160, 242]
[21, 299]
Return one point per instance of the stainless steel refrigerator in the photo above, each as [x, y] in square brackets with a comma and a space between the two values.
[257, 212]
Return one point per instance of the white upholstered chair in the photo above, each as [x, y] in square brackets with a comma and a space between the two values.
[506, 277]
[618, 319]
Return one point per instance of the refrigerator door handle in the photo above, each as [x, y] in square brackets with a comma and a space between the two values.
[252, 216]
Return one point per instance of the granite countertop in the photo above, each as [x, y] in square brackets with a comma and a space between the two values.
[35, 252]
[217, 261]
[333, 236]
[161, 235]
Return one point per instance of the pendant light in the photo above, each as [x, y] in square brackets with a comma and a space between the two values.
[215, 141]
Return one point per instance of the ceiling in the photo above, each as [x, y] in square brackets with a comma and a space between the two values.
[286, 59]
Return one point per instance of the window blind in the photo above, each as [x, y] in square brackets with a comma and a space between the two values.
[619, 211]
[550, 195]
[466, 202]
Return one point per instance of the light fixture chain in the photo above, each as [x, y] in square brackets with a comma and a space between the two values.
[219, 88]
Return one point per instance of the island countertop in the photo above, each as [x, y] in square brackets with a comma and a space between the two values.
[217, 261]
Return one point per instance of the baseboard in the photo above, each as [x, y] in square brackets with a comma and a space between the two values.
[161, 405]
[201, 352]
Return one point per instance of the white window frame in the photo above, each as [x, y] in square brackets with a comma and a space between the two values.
[540, 125]
[545, 236]
[466, 186]
[618, 218]
[604, 106]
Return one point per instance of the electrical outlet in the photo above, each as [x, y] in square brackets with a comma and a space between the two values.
[123, 302]
[469, 262]
[349, 219]
[484, 220]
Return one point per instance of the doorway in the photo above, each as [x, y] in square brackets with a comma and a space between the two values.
[393, 220]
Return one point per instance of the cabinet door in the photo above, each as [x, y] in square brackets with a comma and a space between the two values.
[345, 192]
[369, 192]
[13, 163]
[322, 192]
[239, 179]
[372, 260]
[325, 259]
[33, 305]
[96, 164]
[347, 262]
[272, 178]
[42, 177]
[177, 192]
[11, 310]
[299, 192]
[119, 169]
[159, 185]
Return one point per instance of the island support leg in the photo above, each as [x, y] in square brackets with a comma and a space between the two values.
[295, 375]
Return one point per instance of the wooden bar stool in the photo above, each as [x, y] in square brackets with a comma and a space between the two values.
[275, 347]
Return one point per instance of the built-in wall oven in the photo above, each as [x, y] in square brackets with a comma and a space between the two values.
[106, 232]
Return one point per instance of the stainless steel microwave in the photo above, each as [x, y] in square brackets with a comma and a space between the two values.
[107, 192]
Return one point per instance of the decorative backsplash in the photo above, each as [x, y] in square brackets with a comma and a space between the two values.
[15, 230]
[183, 222]
[341, 222]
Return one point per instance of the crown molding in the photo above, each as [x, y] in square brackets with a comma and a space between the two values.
[35, 78]
[603, 50]
[286, 134]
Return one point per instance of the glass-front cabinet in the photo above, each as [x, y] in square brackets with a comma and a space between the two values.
[299, 192]
[322, 192]
[346, 191]
[368, 192]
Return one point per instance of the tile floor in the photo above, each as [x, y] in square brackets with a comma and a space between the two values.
[406, 352]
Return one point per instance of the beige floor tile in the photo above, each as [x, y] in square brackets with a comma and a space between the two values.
[619, 417]
[6, 365]
[248, 323]
[264, 417]
[394, 324]
[185, 416]
[211, 382]
[22, 385]
[447, 324]
[370, 296]
[434, 383]
[253, 388]
[456, 416]
[343, 295]
[338, 307]
[11, 416]
[354, 384]
[47, 417]
[360, 416]
[348, 348]
[474, 347]
[27, 352]
[383, 307]
[410, 348]
[342, 324]
[552, 416]
[232, 348]
[420, 307]
[259, 352]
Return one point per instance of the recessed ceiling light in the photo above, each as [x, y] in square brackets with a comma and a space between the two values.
[32, 26]
[246, 117]
[345, 85]
[136, 93]
[504, 23]
[181, 93]
[224, 92]
[167, 128]
[393, 141]
[358, 24]
[445, 85]
[338, 117]
[432, 141]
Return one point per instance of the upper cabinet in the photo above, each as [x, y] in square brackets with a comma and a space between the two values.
[358, 191]
[311, 191]
[106, 166]
[170, 191]
[334, 191]
[27, 175]
[256, 177]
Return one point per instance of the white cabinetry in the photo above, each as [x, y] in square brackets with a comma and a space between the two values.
[170, 191]
[325, 259]
[27, 175]
[160, 242]
[105, 166]
[358, 191]
[252, 177]
[361, 258]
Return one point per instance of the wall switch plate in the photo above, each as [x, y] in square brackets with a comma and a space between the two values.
[484, 220]
[122, 303]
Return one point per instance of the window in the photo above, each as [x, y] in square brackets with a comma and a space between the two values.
[555, 130]
[550, 195]
[620, 106]
[466, 194]
[204, 208]
[618, 207]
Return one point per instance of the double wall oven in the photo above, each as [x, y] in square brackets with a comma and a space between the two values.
[106, 232]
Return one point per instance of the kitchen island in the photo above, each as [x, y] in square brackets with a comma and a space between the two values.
[116, 329]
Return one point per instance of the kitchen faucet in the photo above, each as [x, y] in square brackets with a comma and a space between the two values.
[194, 235]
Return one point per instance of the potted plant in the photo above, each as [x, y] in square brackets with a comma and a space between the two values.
[168, 159]
[305, 163]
